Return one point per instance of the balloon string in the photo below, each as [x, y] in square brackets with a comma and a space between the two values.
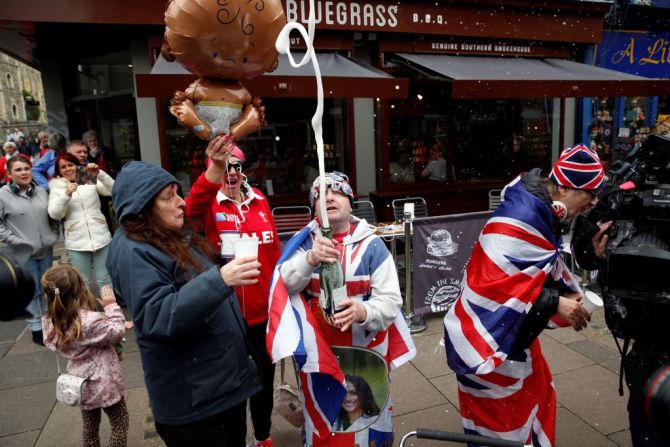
[283, 46]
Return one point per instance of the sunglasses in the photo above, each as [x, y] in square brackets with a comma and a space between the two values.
[336, 182]
[235, 165]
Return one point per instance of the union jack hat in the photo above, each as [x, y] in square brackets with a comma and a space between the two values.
[336, 181]
[578, 168]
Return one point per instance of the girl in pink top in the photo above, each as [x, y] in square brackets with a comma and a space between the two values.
[87, 338]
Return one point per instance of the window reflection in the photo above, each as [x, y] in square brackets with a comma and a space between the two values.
[281, 156]
[443, 140]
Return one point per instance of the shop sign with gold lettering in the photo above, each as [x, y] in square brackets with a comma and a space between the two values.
[641, 53]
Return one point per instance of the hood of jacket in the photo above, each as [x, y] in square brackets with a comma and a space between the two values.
[532, 181]
[136, 185]
[362, 230]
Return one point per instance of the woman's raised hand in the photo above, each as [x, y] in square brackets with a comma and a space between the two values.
[241, 271]
[92, 168]
[219, 148]
[218, 151]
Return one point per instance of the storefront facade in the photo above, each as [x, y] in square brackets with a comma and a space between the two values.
[487, 105]
[615, 126]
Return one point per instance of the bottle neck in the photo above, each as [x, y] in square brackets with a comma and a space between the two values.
[327, 232]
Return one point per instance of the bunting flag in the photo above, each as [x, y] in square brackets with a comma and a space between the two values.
[517, 251]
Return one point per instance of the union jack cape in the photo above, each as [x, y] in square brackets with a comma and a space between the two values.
[506, 394]
[296, 328]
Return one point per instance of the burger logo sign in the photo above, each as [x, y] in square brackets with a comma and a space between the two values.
[440, 244]
[442, 295]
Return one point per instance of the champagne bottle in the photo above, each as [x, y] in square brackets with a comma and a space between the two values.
[333, 287]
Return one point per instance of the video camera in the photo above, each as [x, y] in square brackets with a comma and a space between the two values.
[16, 283]
[634, 277]
[637, 200]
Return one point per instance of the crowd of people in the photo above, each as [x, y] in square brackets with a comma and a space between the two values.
[202, 316]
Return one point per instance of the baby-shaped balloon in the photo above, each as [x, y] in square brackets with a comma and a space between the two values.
[223, 42]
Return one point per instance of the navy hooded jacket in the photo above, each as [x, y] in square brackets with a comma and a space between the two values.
[188, 326]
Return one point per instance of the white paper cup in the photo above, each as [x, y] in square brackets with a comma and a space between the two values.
[227, 238]
[592, 301]
[245, 247]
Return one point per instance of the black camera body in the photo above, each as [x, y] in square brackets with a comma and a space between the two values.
[634, 277]
[637, 200]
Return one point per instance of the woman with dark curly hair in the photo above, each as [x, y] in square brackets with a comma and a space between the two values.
[359, 408]
[188, 325]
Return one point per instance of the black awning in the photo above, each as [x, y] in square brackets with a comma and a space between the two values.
[342, 77]
[478, 77]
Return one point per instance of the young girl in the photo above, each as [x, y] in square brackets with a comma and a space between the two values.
[87, 338]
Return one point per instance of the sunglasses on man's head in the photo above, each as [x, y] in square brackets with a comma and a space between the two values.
[235, 165]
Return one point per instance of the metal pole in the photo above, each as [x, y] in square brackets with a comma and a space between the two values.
[422, 433]
[416, 323]
[408, 264]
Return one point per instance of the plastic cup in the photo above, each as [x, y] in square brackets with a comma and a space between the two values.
[227, 238]
[592, 301]
[246, 247]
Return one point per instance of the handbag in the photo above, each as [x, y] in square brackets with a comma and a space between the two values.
[69, 387]
[287, 400]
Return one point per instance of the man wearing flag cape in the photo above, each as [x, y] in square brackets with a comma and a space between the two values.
[516, 284]
[371, 317]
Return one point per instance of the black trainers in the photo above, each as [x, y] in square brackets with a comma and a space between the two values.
[38, 338]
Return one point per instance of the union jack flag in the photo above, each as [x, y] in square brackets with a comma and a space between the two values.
[297, 328]
[293, 331]
[504, 393]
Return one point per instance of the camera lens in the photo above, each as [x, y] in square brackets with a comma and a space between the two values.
[16, 287]
[657, 400]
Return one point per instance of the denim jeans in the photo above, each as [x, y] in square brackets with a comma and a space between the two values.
[86, 261]
[37, 306]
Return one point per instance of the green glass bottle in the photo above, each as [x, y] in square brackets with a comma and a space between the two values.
[333, 287]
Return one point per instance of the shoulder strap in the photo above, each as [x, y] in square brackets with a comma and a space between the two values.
[282, 365]
[623, 351]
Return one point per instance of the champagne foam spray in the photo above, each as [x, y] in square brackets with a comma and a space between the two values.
[283, 46]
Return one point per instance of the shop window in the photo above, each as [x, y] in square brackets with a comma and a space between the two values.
[663, 119]
[418, 141]
[281, 156]
[633, 130]
[105, 74]
[602, 128]
[471, 140]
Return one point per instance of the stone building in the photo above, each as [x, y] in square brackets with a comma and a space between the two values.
[15, 108]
